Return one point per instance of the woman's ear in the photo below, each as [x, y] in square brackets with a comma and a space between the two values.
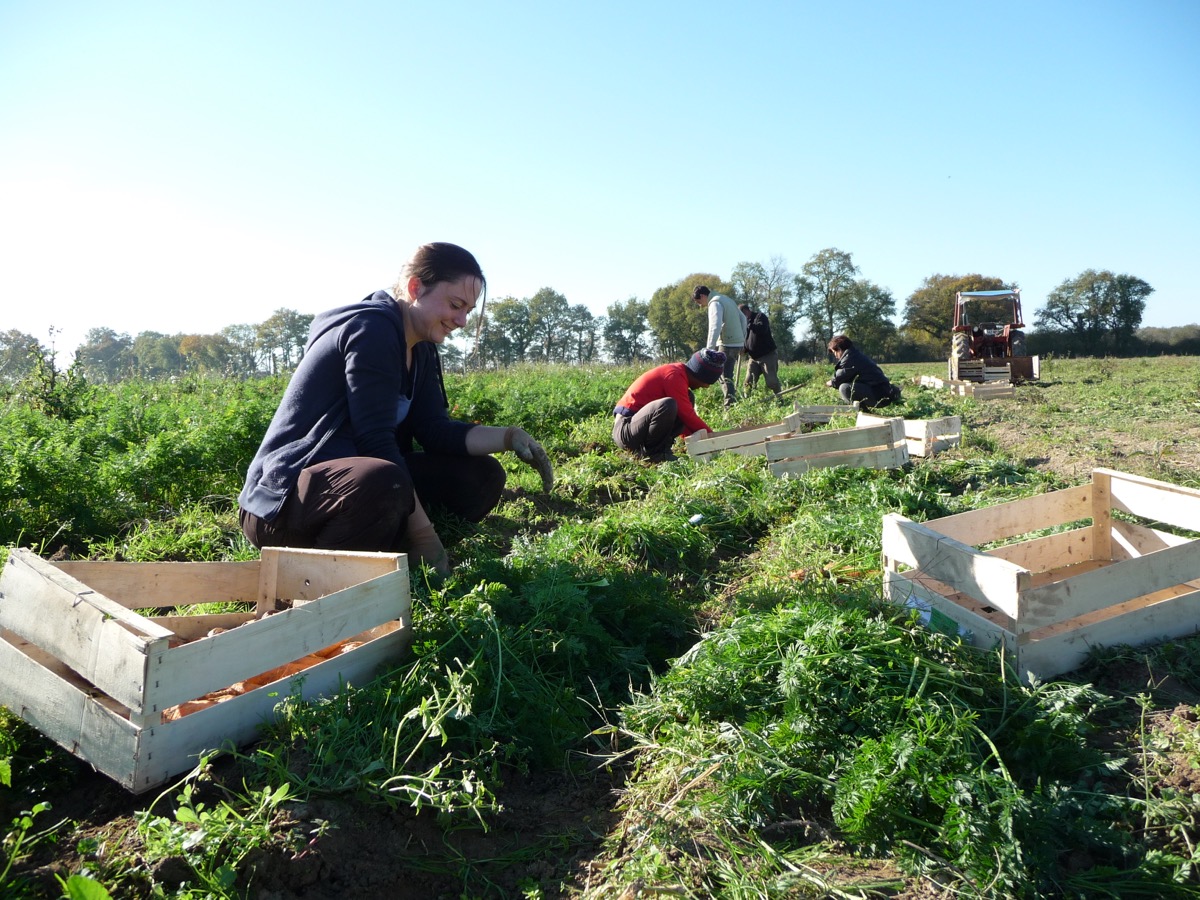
[414, 287]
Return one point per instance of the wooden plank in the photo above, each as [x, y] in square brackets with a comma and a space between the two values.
[1110, 586]
[880, 458]
[1101, 515]
[137, 585]
[747, 441]
[185, 673]
[1059, 649]
[310, 574]
[924, 437]
[100, 639]
[834, 441]
[65, 714]
[1157, 501]
[1130, 540]
[991, 581]
[192, 628]
[1017, 517]
[1053, 551]
[174, 747]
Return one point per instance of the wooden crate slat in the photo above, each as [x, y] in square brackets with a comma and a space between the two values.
[888, 435]
[1156, 500]
[66, 714]
[1131, 540]
[184, 673]
[1060, 649]
[175, 746]
[144, 585]
[1053, 551]
[876, 458]
[1110, 586]
[303, 575]
[193, 628]
[994, 582]
[100, 639]
[1006, 520]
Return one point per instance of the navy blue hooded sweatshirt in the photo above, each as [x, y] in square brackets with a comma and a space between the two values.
[352, 395]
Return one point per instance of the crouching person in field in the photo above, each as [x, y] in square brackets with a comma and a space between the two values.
[338, 468]
[659, 405]
[857, 377]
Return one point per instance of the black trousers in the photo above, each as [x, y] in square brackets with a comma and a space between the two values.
[651, 431]
[363, 503]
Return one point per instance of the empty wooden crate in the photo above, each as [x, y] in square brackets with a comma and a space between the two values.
[140, 696]
[1114, 574]
[924, 437]
[872, 446]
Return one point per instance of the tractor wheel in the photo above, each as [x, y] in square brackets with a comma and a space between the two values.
[1016, 344]
[960, 345]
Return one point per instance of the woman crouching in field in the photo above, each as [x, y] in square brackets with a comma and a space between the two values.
[337, 469]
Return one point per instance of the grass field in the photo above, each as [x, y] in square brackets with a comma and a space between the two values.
[672, 680]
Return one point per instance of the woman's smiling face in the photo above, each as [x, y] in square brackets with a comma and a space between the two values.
[436, 311]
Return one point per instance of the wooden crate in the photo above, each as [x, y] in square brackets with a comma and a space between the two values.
[979, 390]
[924, 437]
[1048, 600]
[750, 440]
[880, 446]
[133, 694]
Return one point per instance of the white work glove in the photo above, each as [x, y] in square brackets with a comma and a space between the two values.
[530, 451]
[426, 547]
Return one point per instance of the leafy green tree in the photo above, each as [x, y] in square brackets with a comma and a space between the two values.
[929, 310]
[583, 329]
[156, 355]
[244, 351]
[501, 334]
[549, 313]
[1101, 311]
[869, 317]
[282, 337]
[625, 326]
[678, 324]
[771, 289]
[18, 354]
[105, 356]
[208, 353]
[826, 292]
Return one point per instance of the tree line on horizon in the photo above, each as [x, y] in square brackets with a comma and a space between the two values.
[1094, 313]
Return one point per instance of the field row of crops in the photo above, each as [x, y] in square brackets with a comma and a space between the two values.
[704, 635]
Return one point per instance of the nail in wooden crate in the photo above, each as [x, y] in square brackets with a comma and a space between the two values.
[1123, 571]
[881, 446]
[924, 437]
[141, 697]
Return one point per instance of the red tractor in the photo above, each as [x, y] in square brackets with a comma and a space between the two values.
[987, 330]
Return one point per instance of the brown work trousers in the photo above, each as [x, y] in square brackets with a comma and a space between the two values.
[363, 503]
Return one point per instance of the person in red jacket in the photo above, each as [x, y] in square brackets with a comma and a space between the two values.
[659, 406]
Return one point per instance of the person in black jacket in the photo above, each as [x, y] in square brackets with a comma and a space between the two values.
[760, 347]
[857, 377]
[338, 469]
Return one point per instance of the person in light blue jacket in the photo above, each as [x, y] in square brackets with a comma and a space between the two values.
[339, 467]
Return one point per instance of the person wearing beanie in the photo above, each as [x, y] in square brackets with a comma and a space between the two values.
[726, 332]
[760, 347]
[658, 407]
[857, 377]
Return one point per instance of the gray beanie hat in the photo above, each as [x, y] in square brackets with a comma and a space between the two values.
[707, 365]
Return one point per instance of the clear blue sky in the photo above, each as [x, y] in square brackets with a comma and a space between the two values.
[180, 167]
